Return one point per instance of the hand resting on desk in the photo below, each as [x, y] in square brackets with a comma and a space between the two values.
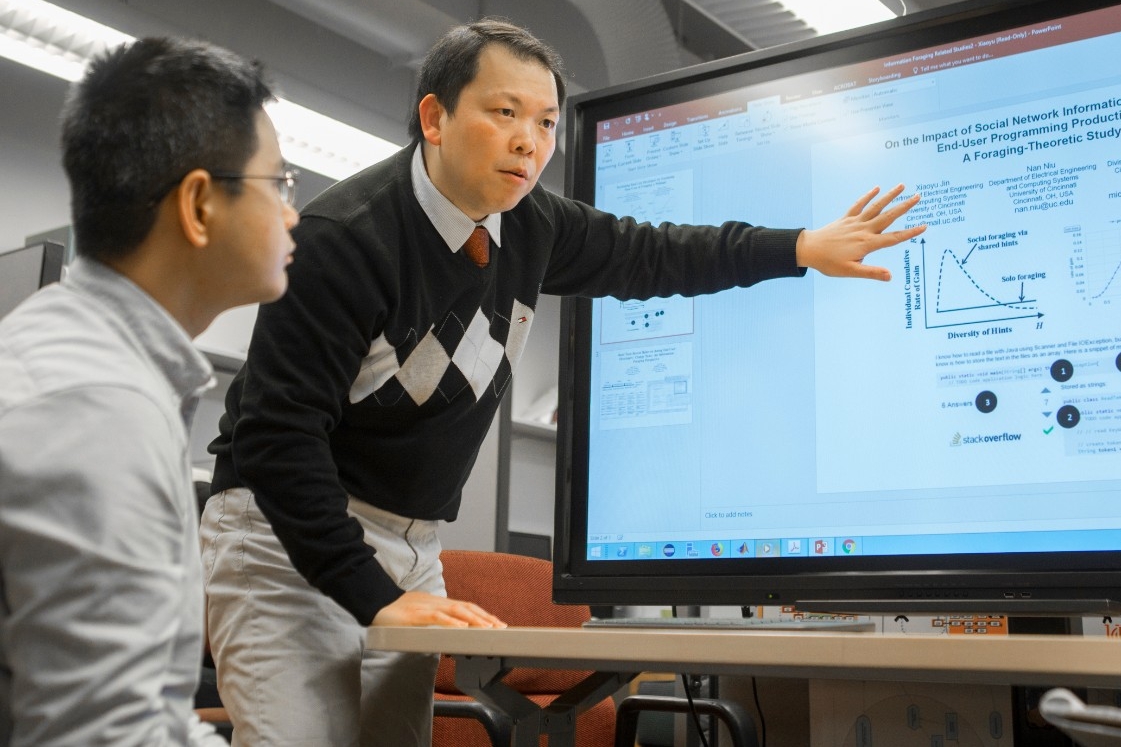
[418, 608]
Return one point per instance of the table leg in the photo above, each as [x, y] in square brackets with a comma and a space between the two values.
[481, 678]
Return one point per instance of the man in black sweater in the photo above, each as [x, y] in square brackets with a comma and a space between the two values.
[369, 388]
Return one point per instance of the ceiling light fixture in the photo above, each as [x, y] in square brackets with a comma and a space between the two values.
[51, 39]
[827, 17]
[61, 43]
[324, 145]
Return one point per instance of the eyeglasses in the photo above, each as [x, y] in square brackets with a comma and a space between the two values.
[285, 184]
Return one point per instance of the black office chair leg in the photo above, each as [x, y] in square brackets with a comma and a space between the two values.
[740, 725]
[496, 724]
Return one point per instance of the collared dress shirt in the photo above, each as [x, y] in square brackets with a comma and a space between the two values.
[101, 613]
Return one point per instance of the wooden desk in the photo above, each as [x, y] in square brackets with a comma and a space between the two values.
[616, 656]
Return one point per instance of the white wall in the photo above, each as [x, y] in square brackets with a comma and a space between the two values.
[533, 451]
[35, 197]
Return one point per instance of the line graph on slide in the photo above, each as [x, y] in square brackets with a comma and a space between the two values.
[1096, 265]
[960, 295]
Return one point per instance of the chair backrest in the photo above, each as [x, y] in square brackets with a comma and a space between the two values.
[519, 590]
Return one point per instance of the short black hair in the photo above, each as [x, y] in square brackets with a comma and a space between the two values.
[453, 62]
[145, 115]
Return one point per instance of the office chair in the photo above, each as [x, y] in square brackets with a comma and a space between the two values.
[518, 590]
[628, 731]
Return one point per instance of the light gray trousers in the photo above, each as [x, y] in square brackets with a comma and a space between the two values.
[293, 669]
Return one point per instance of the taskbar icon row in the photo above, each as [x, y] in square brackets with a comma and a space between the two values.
[806, 547]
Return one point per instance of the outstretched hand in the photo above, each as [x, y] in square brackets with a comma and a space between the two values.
[839, 249]
[418, 608]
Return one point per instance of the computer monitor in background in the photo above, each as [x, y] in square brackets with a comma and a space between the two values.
[27, 269]
[949, 441]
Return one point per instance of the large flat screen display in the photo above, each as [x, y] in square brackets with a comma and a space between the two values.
[950, 440]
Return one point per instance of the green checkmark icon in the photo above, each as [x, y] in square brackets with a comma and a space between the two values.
[1047, 431]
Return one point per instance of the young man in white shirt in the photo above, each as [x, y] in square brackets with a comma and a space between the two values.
[182, 207]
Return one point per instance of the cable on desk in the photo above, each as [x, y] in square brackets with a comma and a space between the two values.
[693, 710]
[746, 612]
[759, 710]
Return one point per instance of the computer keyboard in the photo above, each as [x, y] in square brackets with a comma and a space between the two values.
[731, 623]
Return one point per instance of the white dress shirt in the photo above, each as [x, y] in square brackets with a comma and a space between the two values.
[102, 606]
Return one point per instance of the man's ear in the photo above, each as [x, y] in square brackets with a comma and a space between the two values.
[195, 206]
[431, 116]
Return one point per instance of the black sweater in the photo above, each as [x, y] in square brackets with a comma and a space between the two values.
[379, 372]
